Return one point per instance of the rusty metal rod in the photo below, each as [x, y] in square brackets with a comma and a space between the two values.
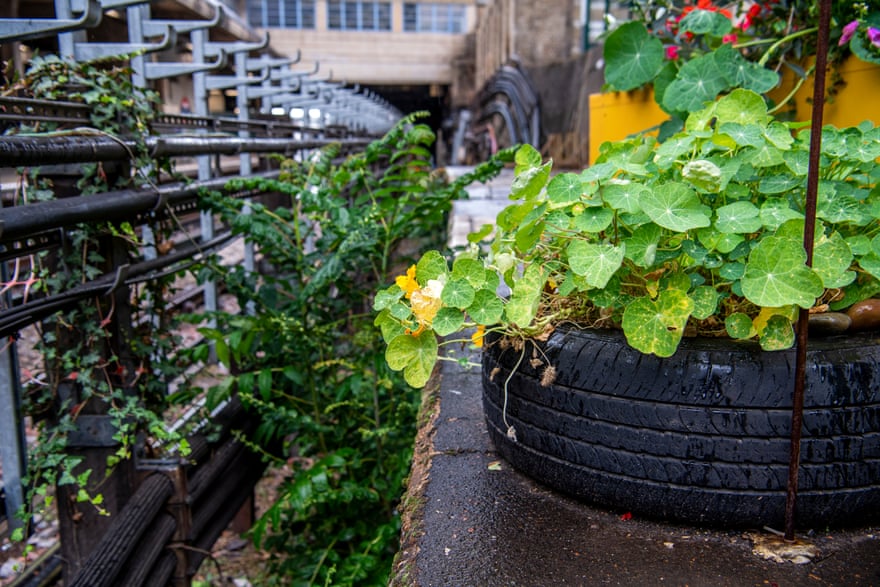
[797, 408]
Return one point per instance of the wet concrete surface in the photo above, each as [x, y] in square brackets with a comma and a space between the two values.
[474, 521]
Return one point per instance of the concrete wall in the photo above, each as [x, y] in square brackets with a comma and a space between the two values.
[377, 58]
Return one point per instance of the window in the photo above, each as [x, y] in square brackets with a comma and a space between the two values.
[358, 16]
[433, 18]
[290, 14]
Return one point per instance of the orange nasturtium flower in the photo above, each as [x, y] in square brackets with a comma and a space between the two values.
[477, 337]
[426, 303]
[408, 282]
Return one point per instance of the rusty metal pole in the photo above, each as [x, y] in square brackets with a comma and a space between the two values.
[797, 412]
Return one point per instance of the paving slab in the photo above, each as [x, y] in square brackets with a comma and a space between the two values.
[472, 520]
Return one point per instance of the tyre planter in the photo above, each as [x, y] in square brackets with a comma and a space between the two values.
[701, 437]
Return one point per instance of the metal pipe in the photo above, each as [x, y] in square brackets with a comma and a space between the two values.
[65, 147]
[19, 222]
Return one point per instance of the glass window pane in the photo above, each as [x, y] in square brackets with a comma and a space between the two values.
[384, 16]
[273, 14]
[368, 16]
[351, 15]
[334, 14]
[255, 12]
[308, 14]
[409, 17]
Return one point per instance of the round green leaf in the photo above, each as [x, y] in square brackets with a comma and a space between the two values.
[744, 135]
[431, 266]
[447, 321]
[742, 106]
[705, 300]
[526, 296]
[565, 188]
[633, 56]
[776, 275]
[624, 196]
[699, 80]
[470, 270]
[596, 263]
[415, 355]
[738, 218]
[739, 326]
[703, 175]
[706, 22]
[593, 220]
[832, 259]
[676, 206]
[776, 212]
[641, 247]
[656, 326]
[777, 335]
[457, 293]
[486, 308]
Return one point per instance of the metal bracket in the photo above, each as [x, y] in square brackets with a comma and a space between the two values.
[20, 29]
[90, 51]
[160, 70]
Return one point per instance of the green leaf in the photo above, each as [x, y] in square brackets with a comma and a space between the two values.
[596, 263]
[738, 217]
[431, 266]
[593, 220]
[776, 212]
[470, 270]
[386, 297]
[633, 57]
[641, 247]
[565, 188]
[624, 196]
[526, 157]
[744, 135]
[740, 326]
[479, 235]
[676, 206]
[705, 300]
[528, 235]
[529, 182]
[777, 335]
[706, 22]
[457, 293]
[415, 355]
[486, 307]
[743, 107]
[779, 184]
[703, 175]
[447, 321]
[699, 80]
[656, 326]
[526, 296]
[776, 275]
[831, 260]
[742, 73]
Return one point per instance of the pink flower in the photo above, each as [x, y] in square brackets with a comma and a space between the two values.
[672, 52]
[848, 32]
[731, 38]
[874, 36]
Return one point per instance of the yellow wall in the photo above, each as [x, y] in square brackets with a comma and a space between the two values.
[616, 115]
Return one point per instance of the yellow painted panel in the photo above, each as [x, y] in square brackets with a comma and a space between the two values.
[617, 115]
[855, 102]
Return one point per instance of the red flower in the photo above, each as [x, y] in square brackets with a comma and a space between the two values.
[672, 52]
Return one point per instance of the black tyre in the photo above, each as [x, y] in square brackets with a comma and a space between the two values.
[701, 437]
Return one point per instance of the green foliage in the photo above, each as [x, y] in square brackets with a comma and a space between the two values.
[692, 54]
[85, 369]
[309, 360]
[703, 233]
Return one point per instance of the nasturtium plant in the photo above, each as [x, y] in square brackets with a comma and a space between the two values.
[700, 235]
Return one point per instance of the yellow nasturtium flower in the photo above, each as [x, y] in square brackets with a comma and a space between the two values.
[426, 303]
[408, 282]
[477, 337]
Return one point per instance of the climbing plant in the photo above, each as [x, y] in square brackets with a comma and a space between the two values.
[309, 359]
